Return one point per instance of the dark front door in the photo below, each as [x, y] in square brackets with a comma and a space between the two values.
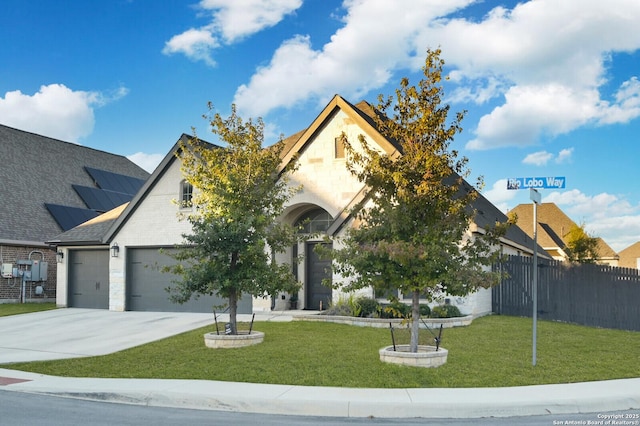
[89, 279]
[318, 296]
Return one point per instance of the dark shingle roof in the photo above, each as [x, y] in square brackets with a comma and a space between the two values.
[37, 170]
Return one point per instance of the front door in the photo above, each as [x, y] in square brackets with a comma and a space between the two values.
[318, 296]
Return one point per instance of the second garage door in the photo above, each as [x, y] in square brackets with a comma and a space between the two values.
[146, 286]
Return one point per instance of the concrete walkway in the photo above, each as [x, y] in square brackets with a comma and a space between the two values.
[102, 327]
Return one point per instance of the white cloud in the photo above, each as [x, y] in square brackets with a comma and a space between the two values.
[194, 44]
[55, 111]
[148, 162]
[626, 106]
[564, 156]
[231, 21]
[235, 19]
[546, 59]
[359, 57]
[551, 58]
[499, 195]
[539, 158]
[542, 158]
[530, 111]
[605, 215]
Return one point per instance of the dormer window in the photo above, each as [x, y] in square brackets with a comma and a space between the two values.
[186, 194]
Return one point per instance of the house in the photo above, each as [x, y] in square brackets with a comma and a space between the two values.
[129, 240]
[630, 257]
[553, 228]
[50, 186]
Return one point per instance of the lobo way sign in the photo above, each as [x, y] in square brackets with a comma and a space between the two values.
[536, 182]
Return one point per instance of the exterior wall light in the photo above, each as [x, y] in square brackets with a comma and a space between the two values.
[59, 256]
[115, 250]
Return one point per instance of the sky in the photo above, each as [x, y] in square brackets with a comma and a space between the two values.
[550, 87]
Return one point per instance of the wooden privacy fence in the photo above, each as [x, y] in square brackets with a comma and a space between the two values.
[593, 295]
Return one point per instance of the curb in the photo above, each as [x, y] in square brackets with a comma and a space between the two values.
[590, 397]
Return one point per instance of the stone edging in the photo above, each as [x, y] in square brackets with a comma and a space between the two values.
[384, 322]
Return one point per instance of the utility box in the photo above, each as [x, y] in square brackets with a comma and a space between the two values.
[7, 270]
[33, 270]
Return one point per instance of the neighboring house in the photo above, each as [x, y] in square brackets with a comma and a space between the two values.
[553, 227]
[630, 257]
[150, 221]
[49, 186]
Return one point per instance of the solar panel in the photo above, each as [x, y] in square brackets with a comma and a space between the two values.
[100, 199]
[70, 217]
[115, 181]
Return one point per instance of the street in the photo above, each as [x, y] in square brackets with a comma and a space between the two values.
[24, 409]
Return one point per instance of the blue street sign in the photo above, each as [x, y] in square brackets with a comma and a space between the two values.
[556, 182]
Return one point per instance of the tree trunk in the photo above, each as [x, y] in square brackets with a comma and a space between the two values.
[233, 298]
[233, 311]
[415, 320]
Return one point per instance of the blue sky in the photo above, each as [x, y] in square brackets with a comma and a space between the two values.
[550, 86]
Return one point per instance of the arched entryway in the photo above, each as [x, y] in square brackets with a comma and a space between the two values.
[315, 223]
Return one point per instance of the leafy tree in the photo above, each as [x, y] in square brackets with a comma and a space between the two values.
[414, 232]
[239, 193]
[581, 247]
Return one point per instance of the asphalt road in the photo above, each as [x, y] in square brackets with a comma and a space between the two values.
[18, 409]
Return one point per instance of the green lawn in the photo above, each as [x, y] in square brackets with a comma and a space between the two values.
[24, 308]
[493, 351]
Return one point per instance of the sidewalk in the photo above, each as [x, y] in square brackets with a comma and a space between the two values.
[592, 397]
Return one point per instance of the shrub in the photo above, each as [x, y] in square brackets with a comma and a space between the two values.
[396, 309]
[445, 311]
[425, 311]
[368, 307]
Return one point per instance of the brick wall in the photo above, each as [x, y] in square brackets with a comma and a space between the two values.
[11, 288]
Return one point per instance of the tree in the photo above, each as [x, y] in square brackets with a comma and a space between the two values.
[239, 193]
[414, 227]
[581, 247]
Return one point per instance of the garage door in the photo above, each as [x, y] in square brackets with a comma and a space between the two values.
[146, 285]
[89, 279]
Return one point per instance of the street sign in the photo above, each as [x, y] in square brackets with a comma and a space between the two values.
[555, 182]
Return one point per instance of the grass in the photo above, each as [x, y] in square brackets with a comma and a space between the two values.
[493, 351]
[24, 308]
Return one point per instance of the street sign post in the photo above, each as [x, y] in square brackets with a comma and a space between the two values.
[533, 183]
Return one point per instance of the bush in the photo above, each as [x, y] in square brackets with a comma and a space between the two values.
[445, 311]
[425, 311]
[368, 307]
[342, 310]
[396, 310]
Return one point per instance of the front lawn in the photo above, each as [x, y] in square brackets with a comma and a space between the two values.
[493, 351]
[24, 308]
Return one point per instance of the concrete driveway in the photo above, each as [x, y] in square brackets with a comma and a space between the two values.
[73, 332]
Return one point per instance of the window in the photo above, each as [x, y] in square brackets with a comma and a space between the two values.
[339, 147]
[186, 194]
[317, 220]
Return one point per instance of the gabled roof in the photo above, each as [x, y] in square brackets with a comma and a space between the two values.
[362, 114]
[553, 227]
[629, 256]
[37, 170]
[91, 232]
[102, 229]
